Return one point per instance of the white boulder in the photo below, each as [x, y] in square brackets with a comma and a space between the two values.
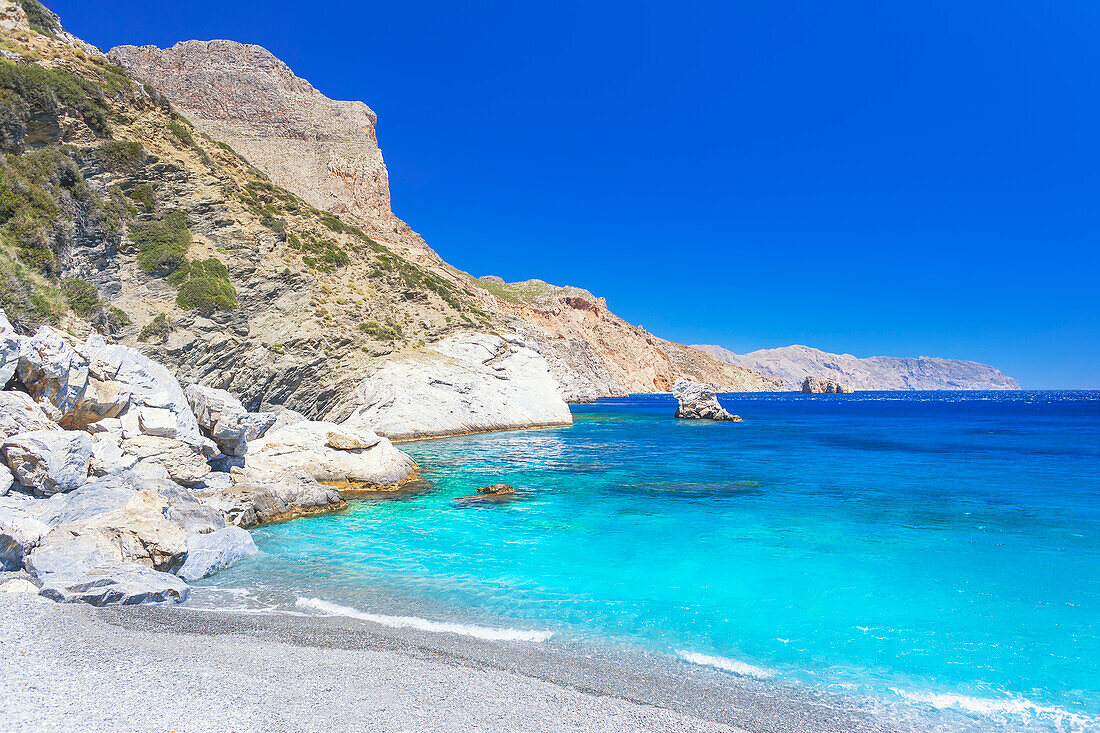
[48, 461]
[19, 534]
[20, 414]
[214, 551]
[224, 418]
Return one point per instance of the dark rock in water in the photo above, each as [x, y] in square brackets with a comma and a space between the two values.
[497, 489]
[824, 385]
[495, 493]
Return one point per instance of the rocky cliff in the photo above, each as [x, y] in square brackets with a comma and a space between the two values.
[119, 215]
[327, 152]
[792, 364]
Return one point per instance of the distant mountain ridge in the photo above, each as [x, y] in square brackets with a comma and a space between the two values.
[792, 364]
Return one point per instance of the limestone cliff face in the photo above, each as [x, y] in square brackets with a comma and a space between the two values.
[793, 364]
[594, 353]
[324, 150]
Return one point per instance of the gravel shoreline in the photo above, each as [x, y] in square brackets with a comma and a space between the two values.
[75, 667]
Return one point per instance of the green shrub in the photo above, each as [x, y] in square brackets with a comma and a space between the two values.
[321, 254]
[42, 196]
[162, 243]
[81, 296]
[379, 332]
[121, 156]
[27, 298]
[142, 195]
[204, 286]
[158, 328]
[181, 132]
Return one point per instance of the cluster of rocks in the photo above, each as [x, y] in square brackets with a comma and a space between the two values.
[824, 385]
[119, 486]
[699, 401]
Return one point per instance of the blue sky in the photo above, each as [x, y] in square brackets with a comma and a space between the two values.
[866, 177]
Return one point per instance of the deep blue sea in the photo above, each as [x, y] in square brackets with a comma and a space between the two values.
[935, 550]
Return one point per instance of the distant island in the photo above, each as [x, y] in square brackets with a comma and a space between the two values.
[792, 364]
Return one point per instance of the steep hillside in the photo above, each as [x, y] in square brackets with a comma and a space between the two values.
[327, 152]
[116, 211]
[792, 364]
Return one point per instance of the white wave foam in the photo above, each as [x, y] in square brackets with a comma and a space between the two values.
[727, 665]
[423, 624]
[993, 707]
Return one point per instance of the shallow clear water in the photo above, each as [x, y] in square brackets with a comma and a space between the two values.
[934, 549]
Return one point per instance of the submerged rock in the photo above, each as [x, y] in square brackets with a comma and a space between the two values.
[698, 401]
[823, 385]
[495, 493]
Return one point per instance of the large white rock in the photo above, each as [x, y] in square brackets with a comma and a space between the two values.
[467, 383]
[6, 480]
[80, 384]
[123, 584]
[329, 452]
[20, 414]
[214, 551]
[48, 461]
[224, 418]
[19, 534]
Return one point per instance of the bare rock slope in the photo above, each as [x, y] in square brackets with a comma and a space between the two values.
[792, 364]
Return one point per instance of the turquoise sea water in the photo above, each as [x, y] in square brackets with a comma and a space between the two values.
[938, 550]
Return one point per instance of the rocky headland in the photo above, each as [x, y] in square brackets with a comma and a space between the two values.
[791, 365]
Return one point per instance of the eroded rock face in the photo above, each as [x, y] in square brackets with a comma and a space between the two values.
[121, 584]
[822, 385]
[325, 150]
[19, 534]
[700, 402]
[467, 383]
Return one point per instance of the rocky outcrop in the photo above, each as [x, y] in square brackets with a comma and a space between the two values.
[791, 364]
[466, 383]
[699, 401]
[47, 462]
[593, 353]
[494, 494]
[20, 414]
[214, 551]
[819, 385]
